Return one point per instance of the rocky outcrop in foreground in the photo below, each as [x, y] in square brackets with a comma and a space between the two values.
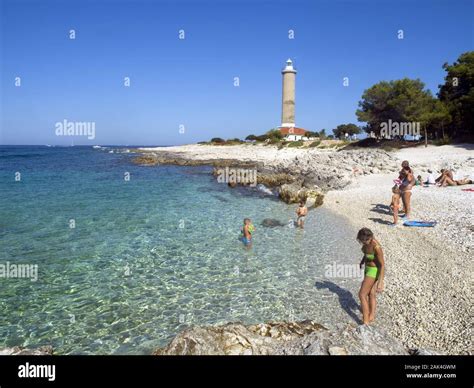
[274, 338]
[283, 338]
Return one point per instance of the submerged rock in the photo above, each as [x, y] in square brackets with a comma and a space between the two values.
[221, 198]
[20, 351]
[271, 223]
[293, 338]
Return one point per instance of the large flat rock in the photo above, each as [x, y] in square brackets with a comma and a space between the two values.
[284, 338]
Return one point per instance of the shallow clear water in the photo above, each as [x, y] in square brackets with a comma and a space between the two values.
[153, 255]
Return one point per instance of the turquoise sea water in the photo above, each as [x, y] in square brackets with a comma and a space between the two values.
[152, 255]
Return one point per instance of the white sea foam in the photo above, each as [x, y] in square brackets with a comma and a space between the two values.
[264, 189]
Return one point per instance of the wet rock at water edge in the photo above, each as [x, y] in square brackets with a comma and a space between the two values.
[294, 193]
[146, 160]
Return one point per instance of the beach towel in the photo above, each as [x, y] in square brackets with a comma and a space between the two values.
[471, 190]
[423, 224]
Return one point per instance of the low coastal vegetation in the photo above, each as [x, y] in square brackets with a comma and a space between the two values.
[220, 141]
[298, 143]
[276, 138]
[331, 142]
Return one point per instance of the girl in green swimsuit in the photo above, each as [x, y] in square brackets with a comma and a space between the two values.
[374, 273]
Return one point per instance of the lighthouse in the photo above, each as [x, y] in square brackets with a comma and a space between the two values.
[287, 126]
[288, 96]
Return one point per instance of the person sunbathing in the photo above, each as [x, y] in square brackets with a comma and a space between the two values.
[458, 182]
[445, 174]
[447, 179]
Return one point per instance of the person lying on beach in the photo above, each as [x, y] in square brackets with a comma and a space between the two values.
[374, 274]
[447, 179]
[301, 212]
[246, 232]
[451, 182]
[395, 205]
[419, 181]
[465, 181]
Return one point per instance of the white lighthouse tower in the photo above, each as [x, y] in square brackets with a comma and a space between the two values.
[288, 96]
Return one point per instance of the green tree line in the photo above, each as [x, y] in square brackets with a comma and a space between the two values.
[450, 114]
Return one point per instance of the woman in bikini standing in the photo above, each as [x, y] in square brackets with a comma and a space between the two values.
[374, 274]
[408, 181]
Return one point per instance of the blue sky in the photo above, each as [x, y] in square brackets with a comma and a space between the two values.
[190, 82]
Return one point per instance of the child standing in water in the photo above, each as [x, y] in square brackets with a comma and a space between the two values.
[301, 212]
[247, 231]
[374, 274]
[395, 205]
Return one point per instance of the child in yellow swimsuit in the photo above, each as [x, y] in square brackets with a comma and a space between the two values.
[374, 274]
[246, 232]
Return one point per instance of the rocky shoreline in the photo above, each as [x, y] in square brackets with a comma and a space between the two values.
[294, 175]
